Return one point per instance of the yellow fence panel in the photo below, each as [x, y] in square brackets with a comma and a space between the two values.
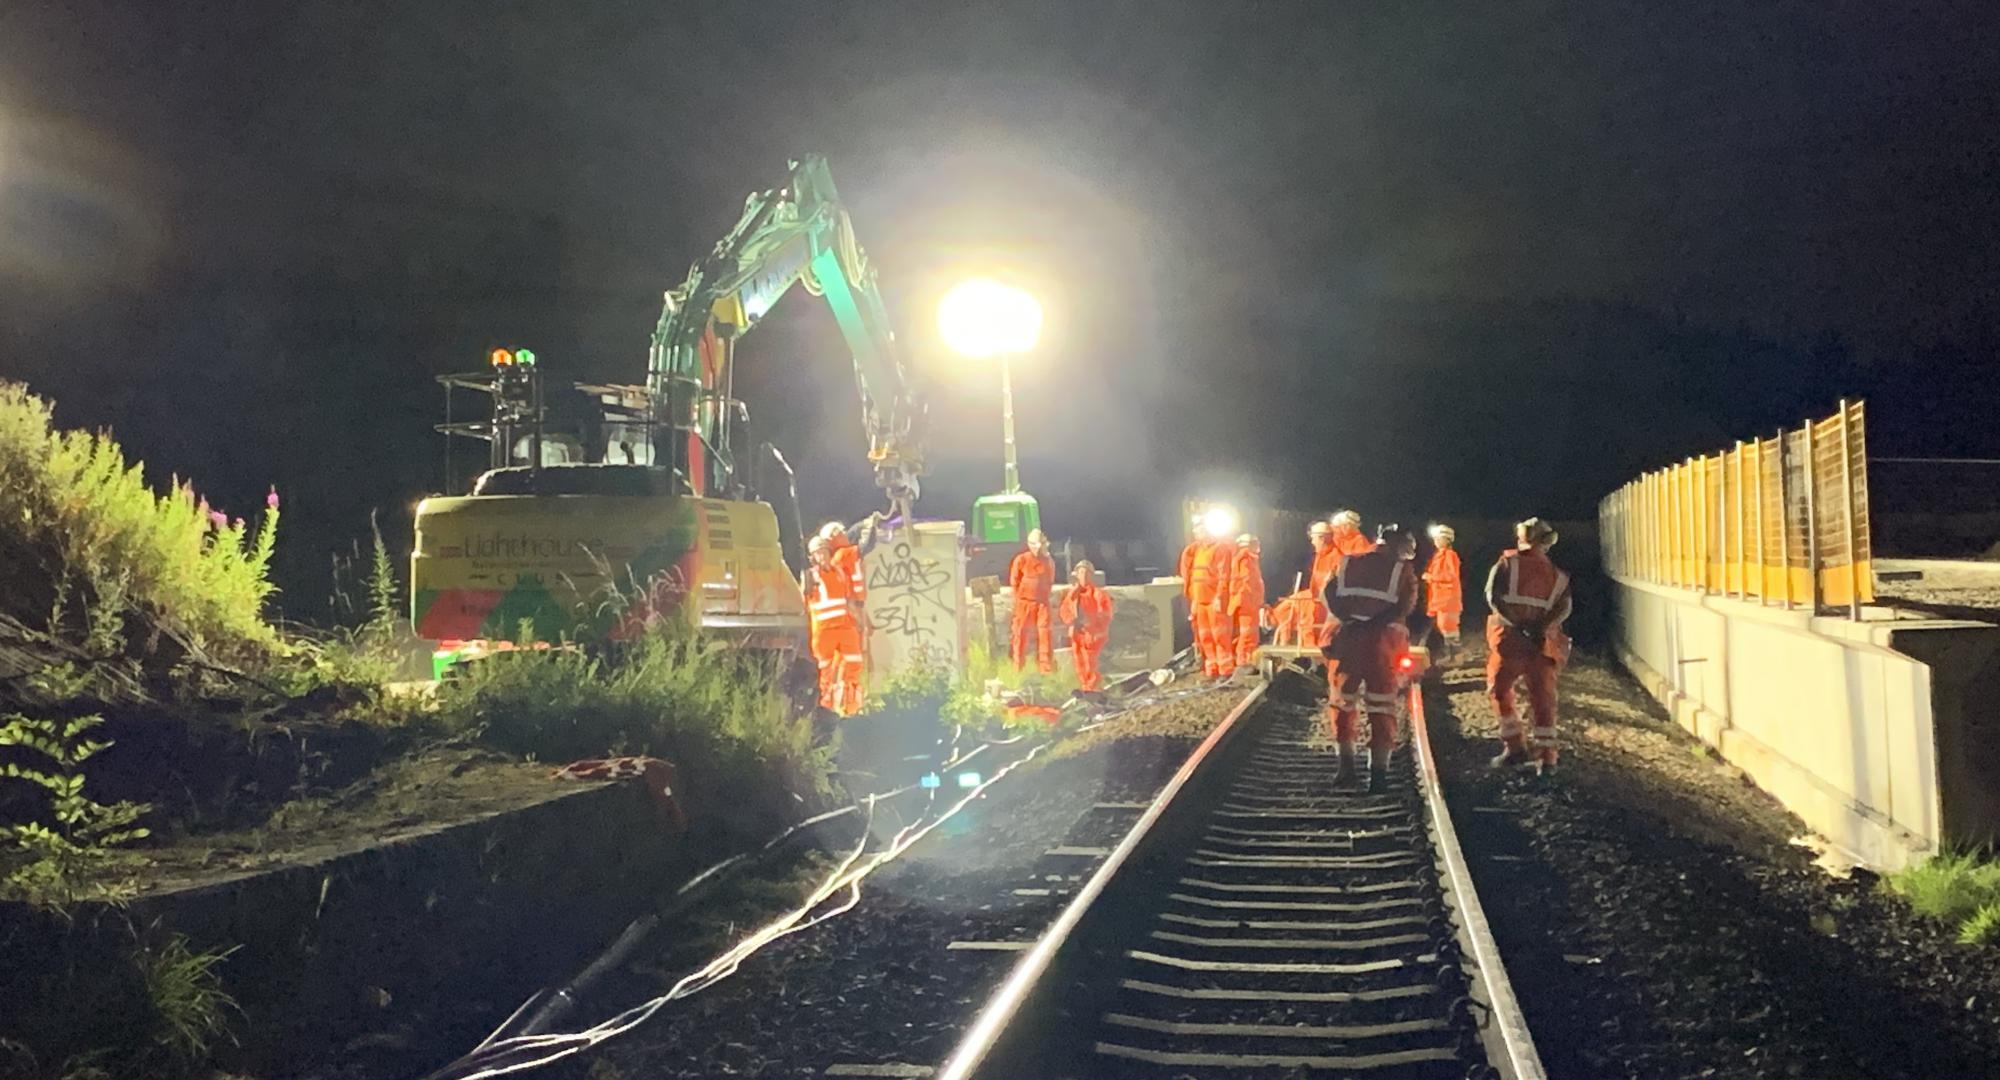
[1783, 520]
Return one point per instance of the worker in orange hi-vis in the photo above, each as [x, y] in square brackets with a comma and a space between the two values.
[1214, 565]
[1245, 612]
[1348, 540]
[1086, 611]
[1370, 596]
[1033, 578]
[1528, 598]
[1201, 585]
[847, 560]
[1444, 599]
[836, 629]
[1295, 619]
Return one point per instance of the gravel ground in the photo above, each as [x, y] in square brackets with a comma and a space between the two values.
[1658, 921]
[880, 984]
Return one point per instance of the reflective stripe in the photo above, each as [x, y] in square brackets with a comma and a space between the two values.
[829, 604]
[1510, 726]
[852, 658]
[1545, 736]
[1514, 596]
[1341, 588]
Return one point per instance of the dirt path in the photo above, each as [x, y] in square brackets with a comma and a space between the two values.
[1658, 921]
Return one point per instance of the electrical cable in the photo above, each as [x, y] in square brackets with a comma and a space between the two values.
[502, 1056]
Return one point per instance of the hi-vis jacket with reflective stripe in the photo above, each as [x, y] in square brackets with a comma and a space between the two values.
[847, 560]
[1372, 587]
[1205, 570]
[1526, 589]
[829, 597]
[1032, 576]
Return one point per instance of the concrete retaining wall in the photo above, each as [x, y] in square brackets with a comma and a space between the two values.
[1877, 734]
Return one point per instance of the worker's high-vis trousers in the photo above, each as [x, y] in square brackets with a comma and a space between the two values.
[1246, 633]
[838, 650]
[1447, 624]
[1211, 642]
[1085, 649]
[1510, 658]
[1034, 615]
[1364, 681]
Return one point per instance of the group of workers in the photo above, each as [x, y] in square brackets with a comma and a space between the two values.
[836, 590]
[1354, 610]
[1085, 612]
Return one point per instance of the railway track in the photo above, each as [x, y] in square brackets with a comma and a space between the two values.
[1255, 922]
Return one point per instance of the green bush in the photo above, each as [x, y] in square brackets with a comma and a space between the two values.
[1960, 888]
[698, 701]
[49, 862]
[92, 556]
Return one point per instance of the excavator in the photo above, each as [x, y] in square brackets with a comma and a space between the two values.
[607, 508]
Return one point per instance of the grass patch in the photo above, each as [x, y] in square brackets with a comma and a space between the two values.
[1958, 888]
[712, 709]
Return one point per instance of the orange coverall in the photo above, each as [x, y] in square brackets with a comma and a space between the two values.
[1444, 600]
[1086, 610]
[1246, 603]
[1205, 567]
[1033, 577]
[836, 638]
[1529, 599]
[1370, 596]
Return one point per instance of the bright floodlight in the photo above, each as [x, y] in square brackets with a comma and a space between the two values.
[1221, 520]
[983, 317]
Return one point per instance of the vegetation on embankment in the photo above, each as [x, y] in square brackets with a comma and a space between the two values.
[1960, 889]
[150, 707]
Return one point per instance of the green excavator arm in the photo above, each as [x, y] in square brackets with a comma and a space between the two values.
[797, 234]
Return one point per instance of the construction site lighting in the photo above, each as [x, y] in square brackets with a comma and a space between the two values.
[983, 317]
[1221, 520]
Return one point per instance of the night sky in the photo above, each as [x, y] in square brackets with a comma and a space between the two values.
[1451, 259]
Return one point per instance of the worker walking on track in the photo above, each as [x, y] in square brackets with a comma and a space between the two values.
[1348, 541]
[1370, 596]
[1086, 611]
[836, 629]
[1245, 612]
[1205, 567]
[1529, 599]
[1444, 599]
[1033, 578]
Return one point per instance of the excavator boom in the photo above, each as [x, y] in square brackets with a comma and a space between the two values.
[797, 234]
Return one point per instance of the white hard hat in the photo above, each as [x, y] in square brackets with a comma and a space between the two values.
[1346, 517]
[816, 545]
[832, 529]
[1536, 531]
[1245, 540]
[1442, 532]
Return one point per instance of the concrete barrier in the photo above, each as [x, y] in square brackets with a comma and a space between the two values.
[1880, 735]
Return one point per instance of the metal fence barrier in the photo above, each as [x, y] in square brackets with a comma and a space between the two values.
[1781, 520]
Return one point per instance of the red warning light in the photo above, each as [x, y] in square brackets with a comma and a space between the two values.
[1407, 662]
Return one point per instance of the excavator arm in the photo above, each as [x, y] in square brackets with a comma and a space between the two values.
[798, 234]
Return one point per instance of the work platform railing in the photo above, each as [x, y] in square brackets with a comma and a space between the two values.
[1782, 520]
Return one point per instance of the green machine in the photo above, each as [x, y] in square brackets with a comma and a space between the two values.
[1005, 519]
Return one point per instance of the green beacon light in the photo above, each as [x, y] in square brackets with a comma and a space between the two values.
[524, 358]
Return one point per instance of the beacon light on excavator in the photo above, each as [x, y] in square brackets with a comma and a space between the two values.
[613, 507]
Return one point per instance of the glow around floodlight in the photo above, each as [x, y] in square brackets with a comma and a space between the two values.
[983, 317]
[1221, 520]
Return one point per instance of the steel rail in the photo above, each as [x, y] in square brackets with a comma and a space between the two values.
[1517, 1058]
[985, 1032]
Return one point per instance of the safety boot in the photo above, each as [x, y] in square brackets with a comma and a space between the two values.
[1346, 776]
[1509, 758]
[1378, 779]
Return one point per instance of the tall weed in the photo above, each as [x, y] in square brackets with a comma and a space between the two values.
[91, 555]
